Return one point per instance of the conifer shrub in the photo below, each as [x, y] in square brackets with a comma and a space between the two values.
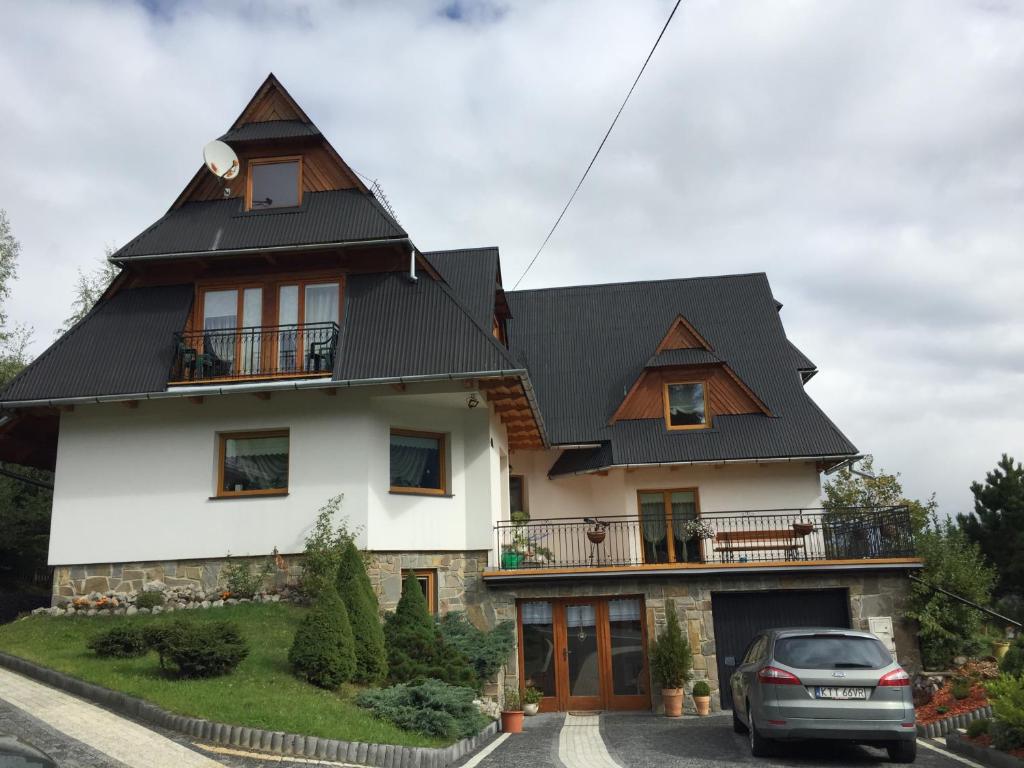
[416, 649]
[363, 613]
[430, 707]
[120, 642]
[323, 651]
[486, 651]
[201, 649]
[1013, 662]
[149, 600]
[671, 658]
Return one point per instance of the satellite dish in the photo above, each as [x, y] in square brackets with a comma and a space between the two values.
[221, 160]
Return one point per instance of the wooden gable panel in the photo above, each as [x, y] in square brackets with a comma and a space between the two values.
[682, 335]
[726, 394]
[271, 102]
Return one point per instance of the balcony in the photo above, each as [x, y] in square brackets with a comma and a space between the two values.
[793, 539]
[260, 352]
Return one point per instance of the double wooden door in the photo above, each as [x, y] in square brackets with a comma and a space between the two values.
[585, 653]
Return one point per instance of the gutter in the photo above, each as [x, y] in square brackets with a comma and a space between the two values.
[655, 465]
[266, 249]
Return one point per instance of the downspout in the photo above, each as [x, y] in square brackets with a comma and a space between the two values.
[412, 264]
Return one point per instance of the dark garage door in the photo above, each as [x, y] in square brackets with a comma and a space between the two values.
[738, 616]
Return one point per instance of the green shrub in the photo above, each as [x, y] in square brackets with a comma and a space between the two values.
[241, 580]
[201, 649]
[120, 642]
[977, 728]
[532, 695]
[961, 688]
[363, 612]
[323, 651]
[158, 638]
[941, 710]
[430, 707]
[416, 650]
[1006, 694]
[671, 659]
[486, 651]
[149, 600]
[701, 688]
[324, 547]
[1006, 736]
[1013, 662]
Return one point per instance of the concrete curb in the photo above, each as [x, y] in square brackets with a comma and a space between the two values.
[273, 742]
[984, 755]
[951, 723]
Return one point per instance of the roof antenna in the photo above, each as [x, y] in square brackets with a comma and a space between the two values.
[222, 162]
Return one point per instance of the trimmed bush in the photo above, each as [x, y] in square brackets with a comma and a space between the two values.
[363, 612]
[977, 728]
[430, 707]
[416, 650]
[323, 652]
[1007, 697]
[1013, 661]
[158, 638]
[961, 688]
[201, 649]
[149, 600]
[671, 658]
[701, 688]
[121, 642]
[486, 651]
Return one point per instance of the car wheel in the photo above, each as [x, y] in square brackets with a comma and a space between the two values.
[759, 745]
[902, 751]
[737, 724]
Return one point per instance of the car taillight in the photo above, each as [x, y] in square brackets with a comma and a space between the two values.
[896, 677]
[776, 676]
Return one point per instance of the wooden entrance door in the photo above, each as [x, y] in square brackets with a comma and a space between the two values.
[585, 653]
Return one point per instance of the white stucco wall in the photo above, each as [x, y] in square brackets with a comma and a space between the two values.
[136, 484]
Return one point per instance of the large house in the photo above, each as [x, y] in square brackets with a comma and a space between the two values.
[566, 458]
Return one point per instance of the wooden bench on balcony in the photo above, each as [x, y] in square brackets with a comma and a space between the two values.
[789, 540]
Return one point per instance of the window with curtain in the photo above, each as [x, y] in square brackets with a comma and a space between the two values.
[663, 519]
[538, 646]
[685, 406]
[253, 463]
[417, 462]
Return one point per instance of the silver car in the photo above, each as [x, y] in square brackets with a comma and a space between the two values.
[823, 684]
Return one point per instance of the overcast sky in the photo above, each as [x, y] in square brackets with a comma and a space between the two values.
[869, 156]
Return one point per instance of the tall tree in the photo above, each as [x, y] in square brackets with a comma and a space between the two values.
[997, 523]
[89, 287]
[848, 489]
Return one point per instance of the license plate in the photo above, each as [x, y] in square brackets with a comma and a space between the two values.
[840, 693]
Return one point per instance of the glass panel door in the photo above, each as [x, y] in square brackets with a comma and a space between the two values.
[583, 661]
[653, 528]
[683, 510]
[252, 319]
[321, 308]
[220, 318]
[626, 641]
[287, 318]
[539, 646]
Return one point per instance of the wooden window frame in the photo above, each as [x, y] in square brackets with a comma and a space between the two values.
[666, 500]
[526, 501]
[707, 405]
[271, 161]
[442, 439]
[223, 437]
[430, 574]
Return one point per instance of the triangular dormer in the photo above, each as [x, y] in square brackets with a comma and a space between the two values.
[682, 335]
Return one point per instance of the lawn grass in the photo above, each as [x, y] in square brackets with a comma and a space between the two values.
[261, 693]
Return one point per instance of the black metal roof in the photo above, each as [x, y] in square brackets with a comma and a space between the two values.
[472, 274]
[585, 346]
[338, 216]
[271, 129]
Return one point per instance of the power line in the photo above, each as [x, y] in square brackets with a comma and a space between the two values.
[599, 146]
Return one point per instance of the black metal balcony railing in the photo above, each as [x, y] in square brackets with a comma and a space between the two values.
[715, 537]
[256, 352]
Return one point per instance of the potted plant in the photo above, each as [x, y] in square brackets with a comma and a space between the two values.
[1000, 648]
[531, 701]
[671, 662]
[511, 712]
[702, 697]
[522, 545]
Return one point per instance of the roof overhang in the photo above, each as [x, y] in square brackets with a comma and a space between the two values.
[271, 249]
[831, 460]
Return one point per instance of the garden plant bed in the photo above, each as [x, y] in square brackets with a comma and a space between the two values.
[980, 749]
[261, 694]
[932, 723]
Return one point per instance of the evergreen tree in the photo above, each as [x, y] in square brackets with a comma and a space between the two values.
[997, 523]
[323, 651]
[364, 614]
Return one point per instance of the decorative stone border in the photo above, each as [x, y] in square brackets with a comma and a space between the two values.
[274, 742]
[984, 755]
[949, 724]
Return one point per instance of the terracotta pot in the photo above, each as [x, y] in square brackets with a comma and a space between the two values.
[703, 704]
[672, 698]
[531, 709]
[512, 722]
[999, 649]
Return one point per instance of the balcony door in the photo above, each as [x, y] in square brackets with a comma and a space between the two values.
[231, 330]
[664, 515]
[585, 653]
[301, 343]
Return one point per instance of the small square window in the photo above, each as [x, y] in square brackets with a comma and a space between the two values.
[253, 463]
[274, 183]
[685, 406]
[418, 462]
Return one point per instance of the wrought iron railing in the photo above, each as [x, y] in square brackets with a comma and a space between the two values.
[775, 535]
[256, 352]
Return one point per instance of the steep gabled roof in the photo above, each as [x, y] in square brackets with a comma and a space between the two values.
[473, 275]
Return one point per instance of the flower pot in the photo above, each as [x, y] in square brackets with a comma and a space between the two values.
[672, 698]
[531, 709]
[703, 704]
[510, 561]
[999, 649]
[596, 537]
[512, 722]
[803, 529]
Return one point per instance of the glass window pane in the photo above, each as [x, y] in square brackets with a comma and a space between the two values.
[686, 405]
[627, 647]
[322, 303]
[275, 185]
[220, 309]
[538, 646]
[220, 318]
[684, 509]
[287, 315]
[252, 319]
[516, 501]
[652, 526]
[581, 642]
[416, 462]
[255, 463]
[832, 652]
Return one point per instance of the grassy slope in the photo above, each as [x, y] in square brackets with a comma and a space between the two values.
[261, 693]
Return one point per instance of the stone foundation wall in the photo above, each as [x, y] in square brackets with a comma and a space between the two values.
[869, 595]
[460, 584]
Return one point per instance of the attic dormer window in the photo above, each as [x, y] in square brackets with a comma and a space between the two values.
[274, 182]
[685, 405]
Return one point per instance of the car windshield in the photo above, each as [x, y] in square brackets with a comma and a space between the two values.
[832, 652]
